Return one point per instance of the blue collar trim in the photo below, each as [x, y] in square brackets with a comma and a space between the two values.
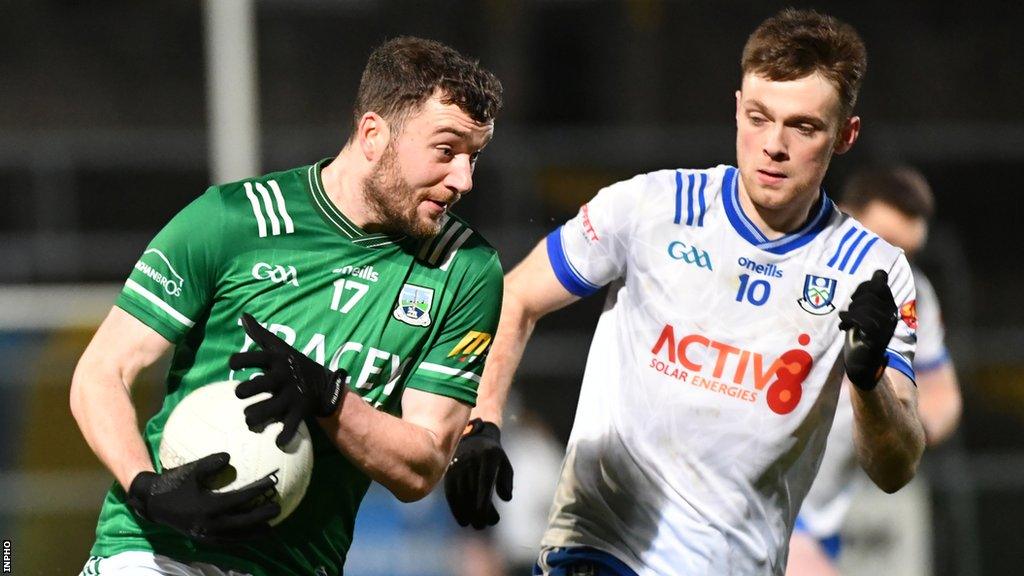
[751, 233]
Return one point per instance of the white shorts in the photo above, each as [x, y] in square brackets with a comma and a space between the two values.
[150, 564]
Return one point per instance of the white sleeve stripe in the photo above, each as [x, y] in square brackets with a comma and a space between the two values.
[455, 248]
[289, 226]
[429, 367]
[260, 222]
[275, 224]
[136, 287]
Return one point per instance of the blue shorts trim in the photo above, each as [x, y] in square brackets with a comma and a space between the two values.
[580, 561]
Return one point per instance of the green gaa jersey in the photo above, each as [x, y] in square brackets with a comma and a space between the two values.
[394, 312]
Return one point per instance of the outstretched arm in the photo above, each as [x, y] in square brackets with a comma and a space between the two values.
[531, 291]
[480, 466]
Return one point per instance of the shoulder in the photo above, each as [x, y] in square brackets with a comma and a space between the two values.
[456, 246]
[849, 247]
[263, 204]
[675, 180]
[686, 194]
[282, 184]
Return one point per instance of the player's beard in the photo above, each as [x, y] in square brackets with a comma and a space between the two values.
[393, 201]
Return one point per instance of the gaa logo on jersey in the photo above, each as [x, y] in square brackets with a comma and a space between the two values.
[414, 305]
[689, 254]
[818, 294]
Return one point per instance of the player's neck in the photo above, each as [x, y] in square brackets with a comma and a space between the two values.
[776, 222]
[343, 186]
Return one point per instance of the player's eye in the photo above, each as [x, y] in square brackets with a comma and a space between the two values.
[446, 152]
[757, 119]
[806, 129]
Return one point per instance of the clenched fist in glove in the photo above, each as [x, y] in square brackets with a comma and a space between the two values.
[869, 323]
[479, 468]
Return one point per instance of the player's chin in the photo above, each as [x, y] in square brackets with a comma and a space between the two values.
[424, 226]
[779, 196]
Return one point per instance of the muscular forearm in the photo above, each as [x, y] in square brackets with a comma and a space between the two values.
[531, 291]
[101, 405]
[514, 330]
[888, 432]
[405, 458]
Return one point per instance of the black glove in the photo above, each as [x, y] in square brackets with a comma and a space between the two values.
[299, 387]
[869, 323]
[478, 468]
[179, 498]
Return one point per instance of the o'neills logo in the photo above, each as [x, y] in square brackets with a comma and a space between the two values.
[734, 372]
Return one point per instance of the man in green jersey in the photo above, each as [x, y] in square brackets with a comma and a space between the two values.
[353, 262]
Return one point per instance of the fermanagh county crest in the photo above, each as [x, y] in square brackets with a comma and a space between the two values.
[818, 294]
[414, 305]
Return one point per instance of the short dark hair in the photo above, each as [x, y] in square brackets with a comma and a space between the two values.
[902, 187]
[796, 43]
[403, 73]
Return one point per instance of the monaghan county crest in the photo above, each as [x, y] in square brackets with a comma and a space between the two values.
[818, 294]
[414, 305]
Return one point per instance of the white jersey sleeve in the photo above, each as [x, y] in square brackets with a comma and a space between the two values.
[901, 349]
[591, 249]
[931, 333]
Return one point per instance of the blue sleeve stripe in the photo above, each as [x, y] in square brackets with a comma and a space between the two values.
[850, 232]
[921, 366]
[679, 197]
[566, 274]
[703, 205]
[689, 199]
[863, 253]
[897, 361]
[853, 247]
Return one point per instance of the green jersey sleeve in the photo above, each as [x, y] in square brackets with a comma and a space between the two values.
[175, 277]
[453, 364]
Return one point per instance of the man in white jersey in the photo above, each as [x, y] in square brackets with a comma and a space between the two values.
[894, 202]
[715, 368]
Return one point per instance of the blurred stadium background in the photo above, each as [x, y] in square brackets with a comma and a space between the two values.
[115, 114]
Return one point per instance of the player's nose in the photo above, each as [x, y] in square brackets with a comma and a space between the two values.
[460, 174]
[775, 145]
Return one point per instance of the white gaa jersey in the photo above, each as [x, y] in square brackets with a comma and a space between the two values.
[713, 374]
[840, 476]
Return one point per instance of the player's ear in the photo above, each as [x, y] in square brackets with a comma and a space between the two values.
[738, 94]
[847, 135]
[373, 135]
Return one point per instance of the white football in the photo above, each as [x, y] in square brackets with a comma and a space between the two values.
[211, 420]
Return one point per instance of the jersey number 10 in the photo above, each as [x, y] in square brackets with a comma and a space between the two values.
[756, 292]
